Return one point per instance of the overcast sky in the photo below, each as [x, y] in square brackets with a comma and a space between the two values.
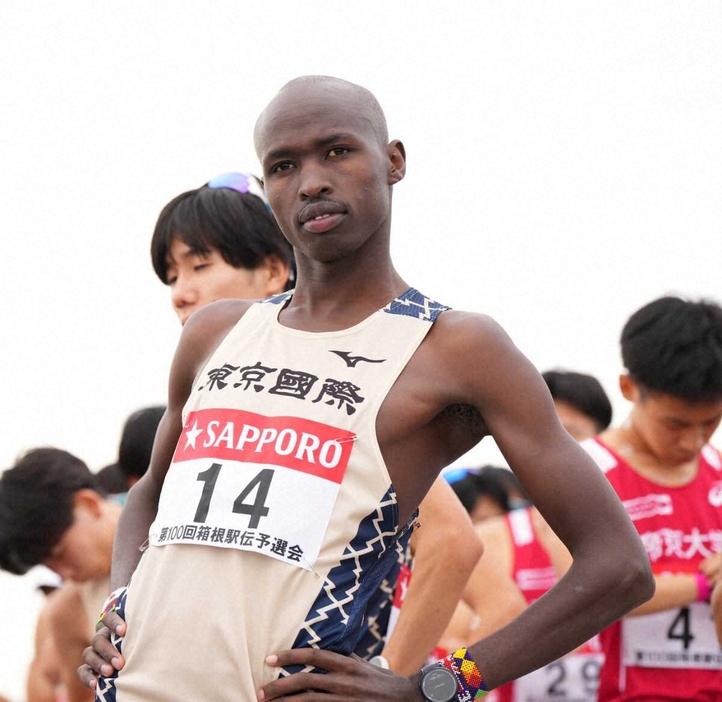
[564, 168]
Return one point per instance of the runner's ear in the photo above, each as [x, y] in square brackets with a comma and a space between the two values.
[397, 161]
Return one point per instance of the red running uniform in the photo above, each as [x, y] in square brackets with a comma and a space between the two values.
[674, 654]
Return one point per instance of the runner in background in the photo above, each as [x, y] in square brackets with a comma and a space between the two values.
[51, 513]
[670, 481]
[51, 500]
[483, 492]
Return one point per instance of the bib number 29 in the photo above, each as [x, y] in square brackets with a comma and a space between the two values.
[255, 508]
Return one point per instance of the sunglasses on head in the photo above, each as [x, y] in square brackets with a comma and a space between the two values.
[241, 183]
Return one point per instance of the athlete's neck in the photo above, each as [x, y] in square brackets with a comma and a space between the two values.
[631, 446]
[332, 297]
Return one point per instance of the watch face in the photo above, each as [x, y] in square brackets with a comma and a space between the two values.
[439, 685]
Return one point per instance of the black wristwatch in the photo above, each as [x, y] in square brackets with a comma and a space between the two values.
[438, 684]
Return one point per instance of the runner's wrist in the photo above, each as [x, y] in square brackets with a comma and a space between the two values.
[704, 589]
[110, 604]
[455, 678]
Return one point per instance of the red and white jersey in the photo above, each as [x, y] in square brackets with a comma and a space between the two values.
[532, 568]
[674, 654]
[575, 677]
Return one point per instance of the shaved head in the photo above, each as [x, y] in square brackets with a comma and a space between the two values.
[304, 88]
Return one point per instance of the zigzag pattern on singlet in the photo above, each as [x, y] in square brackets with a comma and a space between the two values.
[336, 617]
[277, 299]
[415, 304]
[412, 303]
[378, 611]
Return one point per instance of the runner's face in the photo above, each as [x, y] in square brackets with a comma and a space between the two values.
[195, 279]
[673, 429]
[84, 551]
[484, 508]
[327, 175]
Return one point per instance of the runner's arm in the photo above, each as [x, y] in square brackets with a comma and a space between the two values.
[672, 591]
[611, 573]
[476, 364]
[71, 634]
[44, 676]
[201, 335]
[717, 610]
[446, 548]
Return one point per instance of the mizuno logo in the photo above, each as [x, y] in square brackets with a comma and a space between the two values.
[351, 361]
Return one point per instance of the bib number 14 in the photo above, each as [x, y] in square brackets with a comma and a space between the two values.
[255, 508]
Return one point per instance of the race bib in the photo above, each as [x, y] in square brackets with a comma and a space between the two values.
[245, 481]
[574, 678]
[676, 638]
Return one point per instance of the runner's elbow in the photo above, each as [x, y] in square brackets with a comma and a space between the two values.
[635, 580]
[464, 549]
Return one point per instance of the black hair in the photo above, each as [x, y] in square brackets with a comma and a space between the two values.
[583, 392]
[674, 346]
[508, 479]
[36, 505]
[238, 225]
[111, 479]
[136, 442]
[485, 481]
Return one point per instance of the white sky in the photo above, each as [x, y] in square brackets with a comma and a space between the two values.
[564, 168]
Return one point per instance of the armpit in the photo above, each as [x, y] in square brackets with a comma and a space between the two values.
[466, 418]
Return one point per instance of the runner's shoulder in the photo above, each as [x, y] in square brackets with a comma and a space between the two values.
[213, 321]
[469, 327]
[202, 334]
[461, 335]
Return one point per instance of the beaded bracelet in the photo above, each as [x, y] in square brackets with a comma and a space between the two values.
[471, 683]
[111, 604]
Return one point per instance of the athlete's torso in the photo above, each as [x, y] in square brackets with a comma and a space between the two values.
[674, 654]
[278, 519]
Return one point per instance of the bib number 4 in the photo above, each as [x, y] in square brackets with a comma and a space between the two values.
[678, 638]
[681, 629]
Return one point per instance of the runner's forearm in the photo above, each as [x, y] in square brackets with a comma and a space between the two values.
[132, 533]
[672, 591]
[579, 606]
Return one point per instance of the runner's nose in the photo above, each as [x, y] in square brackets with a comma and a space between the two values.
[314, 181]
[183, 294]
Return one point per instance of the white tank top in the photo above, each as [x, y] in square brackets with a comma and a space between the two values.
[277, 519]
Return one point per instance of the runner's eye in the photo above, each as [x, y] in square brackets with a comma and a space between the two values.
[280, 167]
[338, 151]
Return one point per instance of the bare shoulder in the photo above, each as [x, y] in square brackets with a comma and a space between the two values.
[64, 607]
[210, 324]
[473, 353]
[202, 333]
[472, 328]
[472, 335]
